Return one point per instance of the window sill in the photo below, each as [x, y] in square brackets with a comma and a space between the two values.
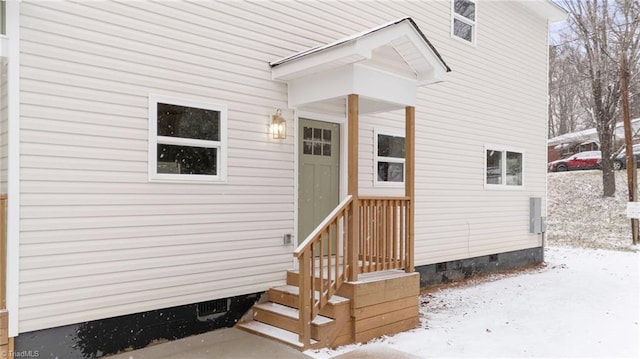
[388, 184]
[186, 179]
[461, 40]
[502, 187]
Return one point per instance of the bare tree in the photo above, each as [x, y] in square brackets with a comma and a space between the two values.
[604, 30]
[566, 113]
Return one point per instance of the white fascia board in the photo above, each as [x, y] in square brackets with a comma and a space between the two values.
[339, 55]
[547, 9]
[372, 106]
[353, 79]
[384, 86]
[13, 180]
[322, 86]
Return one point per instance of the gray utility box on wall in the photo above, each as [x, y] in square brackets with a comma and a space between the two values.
[536, 221]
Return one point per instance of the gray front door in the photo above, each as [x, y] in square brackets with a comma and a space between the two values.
[318, 173]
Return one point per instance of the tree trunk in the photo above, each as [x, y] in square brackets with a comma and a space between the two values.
[608, 174]
[608, 179]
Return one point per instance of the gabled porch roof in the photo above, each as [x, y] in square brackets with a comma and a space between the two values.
[384, 65]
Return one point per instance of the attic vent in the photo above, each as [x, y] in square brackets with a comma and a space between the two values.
[213, 308]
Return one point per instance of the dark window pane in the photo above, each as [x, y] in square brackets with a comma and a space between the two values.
[187, 160]
[326, 149]
[494, 167]
[326, 135]
[317, 149]
[465, 8]
[317, 133]
[307, 148]
[391, 146]
[188, 122]
[307, 133]
[462, 30]
[514, 169]
[390, 172]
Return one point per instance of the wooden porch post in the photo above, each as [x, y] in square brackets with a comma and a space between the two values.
[354, 235]
[409, 183]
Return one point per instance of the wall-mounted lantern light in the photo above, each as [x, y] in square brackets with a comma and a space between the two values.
[278, 126]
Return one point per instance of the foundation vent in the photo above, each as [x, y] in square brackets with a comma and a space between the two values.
[213, 308]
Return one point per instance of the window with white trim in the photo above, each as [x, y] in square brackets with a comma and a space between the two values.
[389, 158]
[503, 167]
[187, 140]
[463, 20]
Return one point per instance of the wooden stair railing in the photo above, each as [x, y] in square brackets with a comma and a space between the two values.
[323, 266]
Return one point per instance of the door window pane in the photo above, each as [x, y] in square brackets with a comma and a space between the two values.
[317, 141]
[326, 149]
[307, 148]
[307, 133]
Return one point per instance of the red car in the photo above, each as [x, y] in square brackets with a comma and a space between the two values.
[580, 161]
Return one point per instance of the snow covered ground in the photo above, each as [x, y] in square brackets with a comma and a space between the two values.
[583, 302]
[578, 215]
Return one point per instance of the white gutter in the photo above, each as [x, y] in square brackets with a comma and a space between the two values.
[13, 181]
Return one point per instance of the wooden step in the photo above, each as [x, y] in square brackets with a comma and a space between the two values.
[288, 295]
[287, 318]
[274, 333]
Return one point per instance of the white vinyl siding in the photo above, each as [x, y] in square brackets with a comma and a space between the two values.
[98, 240]
[487, 98]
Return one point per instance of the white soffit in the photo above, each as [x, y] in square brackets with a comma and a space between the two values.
[403, 35]
[547, 9]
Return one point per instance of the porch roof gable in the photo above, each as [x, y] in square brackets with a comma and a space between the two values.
[384, 65]
[403, 35]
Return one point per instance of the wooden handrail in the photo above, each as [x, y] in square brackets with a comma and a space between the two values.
[322, 265]
[384, 198]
